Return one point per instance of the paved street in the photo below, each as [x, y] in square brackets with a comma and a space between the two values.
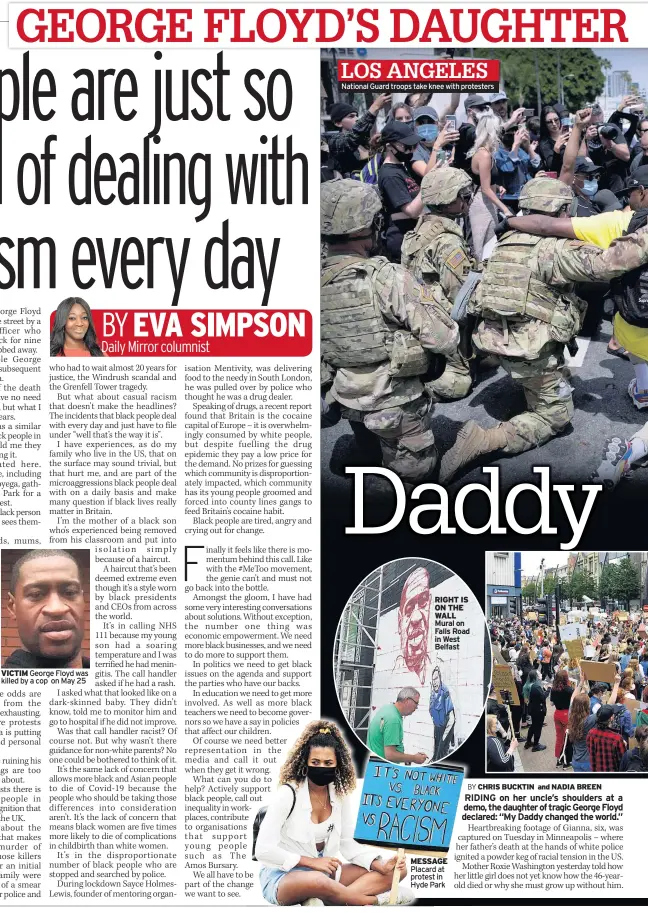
[602, 409]
[529, 761]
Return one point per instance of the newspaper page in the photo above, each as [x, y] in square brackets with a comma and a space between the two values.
[378, 649]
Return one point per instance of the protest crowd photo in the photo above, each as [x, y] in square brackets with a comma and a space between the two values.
[497, 233]
[576, 670]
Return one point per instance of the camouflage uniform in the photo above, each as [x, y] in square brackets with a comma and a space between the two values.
[437, 254]
[528, 313]
[376, 324]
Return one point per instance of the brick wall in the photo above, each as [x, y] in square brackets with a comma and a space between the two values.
[9, 639]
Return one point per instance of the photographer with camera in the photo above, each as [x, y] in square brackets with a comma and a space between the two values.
[640, 150]
[607, 147]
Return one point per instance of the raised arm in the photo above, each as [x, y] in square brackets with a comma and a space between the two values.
[582, 120]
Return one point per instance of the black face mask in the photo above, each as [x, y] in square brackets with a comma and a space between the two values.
[404, 157]
[321, 776]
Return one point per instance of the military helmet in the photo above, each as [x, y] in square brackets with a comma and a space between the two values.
[545, 195]
[442, 186]
[347, 206]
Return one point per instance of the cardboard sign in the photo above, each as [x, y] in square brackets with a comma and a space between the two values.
[497, 653]
[632, 705]
[622, 616]
[563, 620]
[573, 631]
[409, 807]
[574, 648]
[598, 672]
[532, 616]
[503, 681]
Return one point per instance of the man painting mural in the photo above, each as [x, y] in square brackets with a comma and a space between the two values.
[443, 716]
[414, 623]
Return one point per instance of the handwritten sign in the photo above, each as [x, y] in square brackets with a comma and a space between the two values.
[409, 807]
[503, 681]
[532, 616]
[598, 672]
[622, 616]
[574, 648]
[573, 631]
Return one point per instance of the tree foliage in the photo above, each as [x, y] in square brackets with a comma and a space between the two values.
[620, 581]
[579, 584]
[582, 73]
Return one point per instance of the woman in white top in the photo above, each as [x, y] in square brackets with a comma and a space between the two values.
[309, 820]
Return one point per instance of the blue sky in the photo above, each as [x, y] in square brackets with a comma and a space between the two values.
[634, 60]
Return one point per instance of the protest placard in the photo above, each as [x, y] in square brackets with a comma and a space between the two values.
[412, 808]
[503, 681]
[572, 631]
[574, 648]
[598, 672]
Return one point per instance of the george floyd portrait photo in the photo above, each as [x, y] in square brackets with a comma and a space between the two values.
[45, 608]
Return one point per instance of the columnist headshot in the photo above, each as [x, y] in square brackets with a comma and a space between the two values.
[45, 618]
[73, 334]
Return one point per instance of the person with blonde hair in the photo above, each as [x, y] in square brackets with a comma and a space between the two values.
[498, 757]
[486, 202]
[309, 820]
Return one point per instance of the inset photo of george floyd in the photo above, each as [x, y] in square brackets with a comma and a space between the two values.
[412, 662]
[45, 608]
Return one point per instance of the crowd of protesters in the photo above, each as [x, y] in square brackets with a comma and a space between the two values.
[596, 726]
[501, 146]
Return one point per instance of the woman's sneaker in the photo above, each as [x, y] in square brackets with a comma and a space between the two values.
[405, 896]
[638, 397]
[615, 463]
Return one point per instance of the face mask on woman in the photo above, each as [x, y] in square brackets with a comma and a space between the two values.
[321, 776]
[403, 157]
[428, 132]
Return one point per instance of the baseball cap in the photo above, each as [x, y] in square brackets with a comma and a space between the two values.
[639, 178]
[605, 714]
[425, 111]
[497, 96]
[584, 165]
[396, 132]
[475, 101]
[340, 110]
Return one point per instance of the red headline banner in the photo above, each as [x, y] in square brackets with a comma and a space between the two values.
[287, 25]
[196, 333]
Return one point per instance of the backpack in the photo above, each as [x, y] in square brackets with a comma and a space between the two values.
[615, 722]
[630, 291]
[636, 761]
[260, 815]
[369, 173]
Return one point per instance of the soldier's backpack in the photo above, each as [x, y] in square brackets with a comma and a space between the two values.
[630, 291]
[260, 815]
